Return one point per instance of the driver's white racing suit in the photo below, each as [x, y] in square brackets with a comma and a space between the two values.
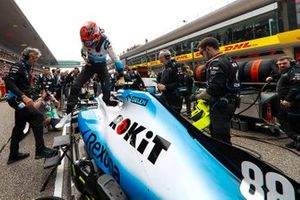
[96, 57]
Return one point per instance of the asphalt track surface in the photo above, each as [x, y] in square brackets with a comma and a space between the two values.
[23, 180]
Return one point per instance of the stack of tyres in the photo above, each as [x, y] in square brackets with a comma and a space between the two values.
[250, 71]
[200, 73]
[257, 70]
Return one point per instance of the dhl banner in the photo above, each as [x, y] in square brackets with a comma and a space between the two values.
[153, 63]
[184, 57]
[286, 38]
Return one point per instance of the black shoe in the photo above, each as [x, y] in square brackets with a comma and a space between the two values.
[291, 145]
[297, 147]
[112, 103]
[45, 152]
[69, 109]
[20, 156]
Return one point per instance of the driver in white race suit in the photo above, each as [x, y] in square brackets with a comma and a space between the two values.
[95, 47]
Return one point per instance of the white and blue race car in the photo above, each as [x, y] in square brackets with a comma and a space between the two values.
[153, 153]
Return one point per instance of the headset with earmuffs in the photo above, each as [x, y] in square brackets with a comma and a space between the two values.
[293, 62]
[167, 54]
[28, 50]
[26, 53]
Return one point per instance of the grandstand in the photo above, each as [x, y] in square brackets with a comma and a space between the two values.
[16, 32]
[246, 30]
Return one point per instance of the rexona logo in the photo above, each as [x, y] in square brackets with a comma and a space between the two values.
[243, 45]
[100, 153]
[137, 100]
[132, 130]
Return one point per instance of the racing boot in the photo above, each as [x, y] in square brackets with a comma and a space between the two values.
[45, 152]
[109, 102]
[112, 103]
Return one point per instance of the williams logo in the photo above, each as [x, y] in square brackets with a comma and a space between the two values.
[137, 100]
[133, 132]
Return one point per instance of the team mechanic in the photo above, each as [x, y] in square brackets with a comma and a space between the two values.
[169, 81]
[21, 97]
[95, 48]
[288, 89]
[222, 90]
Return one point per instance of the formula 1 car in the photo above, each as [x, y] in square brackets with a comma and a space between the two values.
[141, 149]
